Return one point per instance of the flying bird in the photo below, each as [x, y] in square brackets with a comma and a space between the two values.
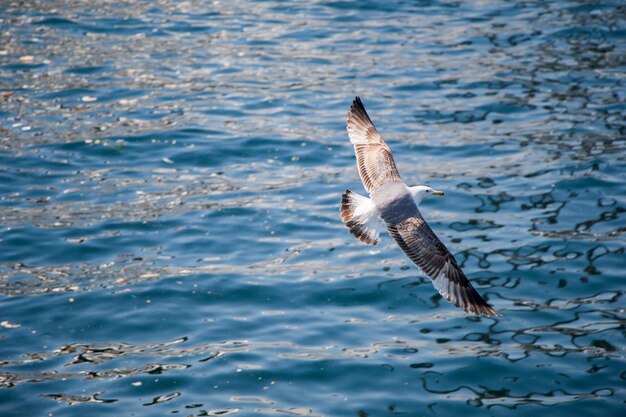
[394, 205]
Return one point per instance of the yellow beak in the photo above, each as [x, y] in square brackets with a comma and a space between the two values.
[438, 193]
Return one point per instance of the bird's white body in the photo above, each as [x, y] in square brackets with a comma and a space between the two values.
[368, 214]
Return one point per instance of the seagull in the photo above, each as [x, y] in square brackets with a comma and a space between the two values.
[394, 205]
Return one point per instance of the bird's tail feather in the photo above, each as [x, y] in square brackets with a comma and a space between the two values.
[361, 217]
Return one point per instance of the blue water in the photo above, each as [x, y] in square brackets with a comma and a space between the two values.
[170, 241]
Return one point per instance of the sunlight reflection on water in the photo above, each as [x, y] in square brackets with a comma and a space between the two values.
[169, 199]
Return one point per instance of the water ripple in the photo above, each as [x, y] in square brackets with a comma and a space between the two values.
[169, 181]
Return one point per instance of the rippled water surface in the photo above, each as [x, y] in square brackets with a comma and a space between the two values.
[170, 177]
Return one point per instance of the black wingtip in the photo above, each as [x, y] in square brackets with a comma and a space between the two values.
[489, 311]
[473, 302]
[483, 308]
[358, 112]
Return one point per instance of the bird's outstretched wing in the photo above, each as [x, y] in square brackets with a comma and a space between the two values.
[374, 158]
[422, 246]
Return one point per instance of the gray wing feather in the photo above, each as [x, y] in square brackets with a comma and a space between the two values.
[374, 158]
[422, 246]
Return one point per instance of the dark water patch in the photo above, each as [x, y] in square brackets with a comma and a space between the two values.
[73, 399]
[162, 398]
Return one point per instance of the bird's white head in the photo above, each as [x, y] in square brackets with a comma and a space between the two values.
[420, 192]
